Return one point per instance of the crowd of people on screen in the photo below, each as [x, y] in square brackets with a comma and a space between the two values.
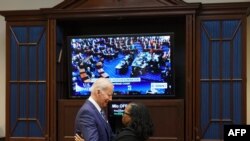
[142, 54]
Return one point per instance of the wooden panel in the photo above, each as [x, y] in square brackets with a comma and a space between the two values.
[67, 110]
[221, 98]
[81, 4]
[26, 94]
[168, 118]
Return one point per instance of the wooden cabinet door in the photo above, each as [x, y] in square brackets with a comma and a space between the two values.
[222, 90]
[27, 96]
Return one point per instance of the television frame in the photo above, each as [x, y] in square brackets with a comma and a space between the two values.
[129, 94]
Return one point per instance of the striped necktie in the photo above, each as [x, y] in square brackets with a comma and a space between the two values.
[103, 115]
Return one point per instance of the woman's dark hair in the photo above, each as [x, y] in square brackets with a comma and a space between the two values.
[141, 120]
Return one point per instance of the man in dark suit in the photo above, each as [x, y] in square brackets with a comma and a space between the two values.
[90, 123]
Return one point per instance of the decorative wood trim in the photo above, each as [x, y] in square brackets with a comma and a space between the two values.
[189, 53]
[51, 77]
[225, 8]
[75, 9]
[118, 13]
[197, 128]
[96, 4]
[24, 15]
[244, 73]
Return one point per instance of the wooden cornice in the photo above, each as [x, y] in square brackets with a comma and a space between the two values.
[119, 8]
[108, 8]
[95, 4]
[25, 15]
[127, 8]
[225, 8]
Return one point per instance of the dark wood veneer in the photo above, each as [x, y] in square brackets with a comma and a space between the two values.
[168, 118]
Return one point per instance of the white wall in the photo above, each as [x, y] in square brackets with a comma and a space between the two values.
[2, 76]
[37, 4]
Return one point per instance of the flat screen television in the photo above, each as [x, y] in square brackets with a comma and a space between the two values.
[139, 65]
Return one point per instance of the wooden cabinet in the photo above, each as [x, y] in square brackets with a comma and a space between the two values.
[221, 49]
[167, 115]
[210, 65]
[27, 98]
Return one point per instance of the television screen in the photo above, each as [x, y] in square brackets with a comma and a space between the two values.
[116, 109]
[115, 113]
[137, 64]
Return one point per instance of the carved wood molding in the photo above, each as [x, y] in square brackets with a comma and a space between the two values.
[225, 8]
[86, 4]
